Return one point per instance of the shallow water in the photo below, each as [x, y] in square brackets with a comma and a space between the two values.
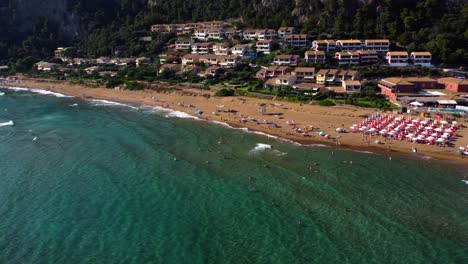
[107, 183]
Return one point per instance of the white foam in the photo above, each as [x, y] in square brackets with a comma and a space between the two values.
[39, 91]
[45, 92]
[180, 114]
[2, 94]
[15, 88]
[98, 102]
[74, 105]
[261, 147]
[167, 112]
[465, 181]
[9, 123]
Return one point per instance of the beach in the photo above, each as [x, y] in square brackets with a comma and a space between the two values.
[240, 111]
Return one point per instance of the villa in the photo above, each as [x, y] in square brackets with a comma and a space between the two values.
[221, 49]
[295, 40]
[202, 48]
[421, 58]
[183, 44]
[266, 34]
[348, 45]
[368, 56]
[397, 58]
[306, 74]
[377, 45]
[347, 58]
[243, 50]
[286, 59]
[284, 31]
[326, 45]
[249, 34]
[316, 57]
[264, 46]
[351, 86]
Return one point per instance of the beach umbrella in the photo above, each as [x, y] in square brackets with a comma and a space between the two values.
[438, 129]
[440, 140]
[430, 138]
[198, 112]
[434, 134]
[454, 122]
[427, 128]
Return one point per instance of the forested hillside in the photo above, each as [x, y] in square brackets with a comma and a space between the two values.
[98, 27]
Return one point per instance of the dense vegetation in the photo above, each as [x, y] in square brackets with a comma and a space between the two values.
[115, 26]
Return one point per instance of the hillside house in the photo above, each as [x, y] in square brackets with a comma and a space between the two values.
[264, 46]
[281, 80]
[351, 86]
[295, 40]
[326, 45]
[305, 74]
[243, 50]
[284, 31]
[202, 48]
[368, 56]
[347, 58]
[183, 44]
[316, 57]
[348, 45]
[221, 49]
[377, 45]
[422, 58]
[273, 71]
[397, 58]
[266, 34]
[286, 59]
[249, 34]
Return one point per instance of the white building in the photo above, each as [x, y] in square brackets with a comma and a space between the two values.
[422, 58]
[397, 58]
[221, 49]
[351, 86]
[327, 45]
[264, 46]
[183, 44]
[348, 45]
[347, 58]
[378, 45]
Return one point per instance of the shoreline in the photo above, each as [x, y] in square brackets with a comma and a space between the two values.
[174, 98]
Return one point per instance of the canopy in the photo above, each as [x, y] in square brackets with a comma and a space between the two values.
[416, 103]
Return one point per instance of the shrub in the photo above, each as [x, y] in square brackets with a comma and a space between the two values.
[134, 86]
[225, 92]
[327, 102]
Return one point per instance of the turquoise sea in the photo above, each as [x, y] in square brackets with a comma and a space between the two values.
[92, 182]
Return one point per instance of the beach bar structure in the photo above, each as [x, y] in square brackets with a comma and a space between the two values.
[391, 87]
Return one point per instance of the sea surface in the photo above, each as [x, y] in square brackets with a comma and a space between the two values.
[85, 181]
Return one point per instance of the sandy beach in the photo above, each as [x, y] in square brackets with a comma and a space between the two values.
[231, 110]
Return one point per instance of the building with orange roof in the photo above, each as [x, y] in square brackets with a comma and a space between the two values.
[392, 86]
[378, 45]
[397, 58]
[345, 45]
[313, 56]
[454, 84]
[326, 45]
[422, 58]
